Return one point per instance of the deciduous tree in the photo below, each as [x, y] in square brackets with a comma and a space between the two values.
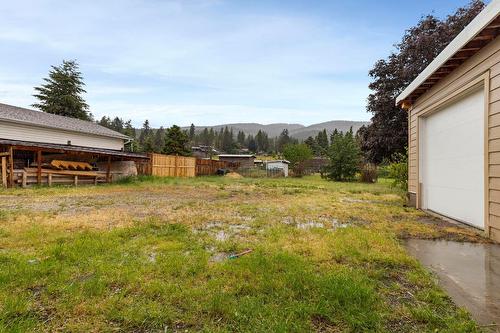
[387, 133]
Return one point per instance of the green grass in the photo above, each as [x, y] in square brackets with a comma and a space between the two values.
[139, 256]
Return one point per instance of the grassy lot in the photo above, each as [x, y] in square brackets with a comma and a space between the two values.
[152, 256]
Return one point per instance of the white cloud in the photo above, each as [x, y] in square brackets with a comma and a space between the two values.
[183, 61]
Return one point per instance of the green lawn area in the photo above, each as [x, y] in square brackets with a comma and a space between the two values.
[152, 256]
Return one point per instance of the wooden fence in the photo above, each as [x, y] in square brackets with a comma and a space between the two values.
[167, 166]
[172, 166]
[205, 167]
[208, 167]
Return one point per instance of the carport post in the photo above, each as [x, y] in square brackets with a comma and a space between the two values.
[39, 167]
[108, 170]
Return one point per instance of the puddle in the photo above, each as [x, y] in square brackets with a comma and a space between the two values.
[323, 223]
[218, 257]
[221, 236]
[469, 272]
[309, 225]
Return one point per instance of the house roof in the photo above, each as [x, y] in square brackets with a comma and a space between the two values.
[53, 147]
[278, 161]
[479, 32]
[41, 119]
[237, 155]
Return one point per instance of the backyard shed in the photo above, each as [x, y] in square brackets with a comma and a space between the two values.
[41, 148]
[242, 160]
[278, 165]
[454, 128]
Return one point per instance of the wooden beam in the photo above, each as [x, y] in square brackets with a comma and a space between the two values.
[24, 179]
[108, 170]
[39, 167]
[11, 166]
[4, 171]
[49, 179]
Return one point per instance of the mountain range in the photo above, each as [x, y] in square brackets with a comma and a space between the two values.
[297, 131]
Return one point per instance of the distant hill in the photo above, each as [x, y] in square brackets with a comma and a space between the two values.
[298, 131]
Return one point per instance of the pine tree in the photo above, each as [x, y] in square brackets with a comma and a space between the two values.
[313, 145]
[241, 138]
[283, 140]
[61, 94]
[262, 141]
[345, 156]
[159, 140]
[227, 143]
[251, 144]
[322, 141]
[146, 138]
[192, 129]
[176, 142]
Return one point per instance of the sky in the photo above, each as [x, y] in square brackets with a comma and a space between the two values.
[208, 62]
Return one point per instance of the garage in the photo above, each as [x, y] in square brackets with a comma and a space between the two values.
[452, 159]
[453, 109]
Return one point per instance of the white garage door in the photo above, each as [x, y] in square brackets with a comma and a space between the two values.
[452, 160]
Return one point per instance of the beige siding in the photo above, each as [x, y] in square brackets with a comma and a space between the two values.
[14, 131]
[487, 60]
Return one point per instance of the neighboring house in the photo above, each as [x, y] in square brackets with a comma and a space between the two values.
[454, 128]
[33, 139]
[244, 161]
[281, 165]
[204, 151]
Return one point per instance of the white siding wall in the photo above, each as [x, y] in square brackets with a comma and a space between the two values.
[278, 165]
[13, 131]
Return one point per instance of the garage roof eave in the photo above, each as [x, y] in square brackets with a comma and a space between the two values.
[478, 24]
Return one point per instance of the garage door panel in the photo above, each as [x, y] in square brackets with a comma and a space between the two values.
[454, 206]
[452, 152]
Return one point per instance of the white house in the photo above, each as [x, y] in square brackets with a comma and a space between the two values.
[30, 141]
[34, 126]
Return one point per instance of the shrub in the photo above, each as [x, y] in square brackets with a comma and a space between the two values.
[398, 171]
[369, 173]
[345, 156]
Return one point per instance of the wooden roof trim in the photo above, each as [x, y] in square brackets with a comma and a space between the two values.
[483, 29]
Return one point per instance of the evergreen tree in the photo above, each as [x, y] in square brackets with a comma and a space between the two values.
[345, 156]
[313, 145]
[146, 138]
[129, 131]
[159, 140]
[105, 121]
[192, 129]
[117, 124]
[61, 94]
[262, 141]
[241, 138]
[205, 137]
[322, 141]
[283, 140]
[227, 144]
[176, 142]
[251, 144]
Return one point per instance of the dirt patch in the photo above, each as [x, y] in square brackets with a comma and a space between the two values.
[233, 175]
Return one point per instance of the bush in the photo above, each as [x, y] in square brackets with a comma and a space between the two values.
[398, 171]
[369, 173]
[297, 154]
[345, 157]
